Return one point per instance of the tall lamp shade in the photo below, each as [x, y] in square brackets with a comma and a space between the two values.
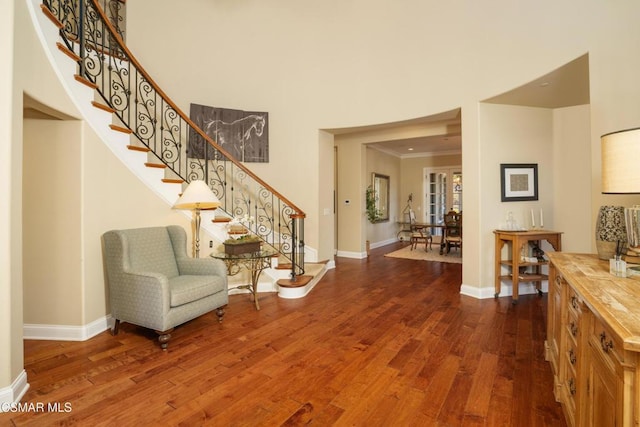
[621, 175]
[196, 197]
[621, 162]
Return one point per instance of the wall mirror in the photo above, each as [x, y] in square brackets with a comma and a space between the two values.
[381, 189]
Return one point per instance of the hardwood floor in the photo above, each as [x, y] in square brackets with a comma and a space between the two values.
[378, 342]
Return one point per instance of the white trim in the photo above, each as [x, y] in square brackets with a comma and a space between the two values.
[383, 243]
[66, 332]
[356, 255]
[15, 391]
[506, 290]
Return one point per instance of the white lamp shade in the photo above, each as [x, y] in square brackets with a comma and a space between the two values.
[621, 162]
[198, 195]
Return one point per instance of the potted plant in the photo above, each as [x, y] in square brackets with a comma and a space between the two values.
[240, 241]
[373, 214]
[242, 245]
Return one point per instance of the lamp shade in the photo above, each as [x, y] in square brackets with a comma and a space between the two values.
[198, 195]
[621, 162]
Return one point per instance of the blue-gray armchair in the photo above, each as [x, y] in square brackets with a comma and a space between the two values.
[154, 284]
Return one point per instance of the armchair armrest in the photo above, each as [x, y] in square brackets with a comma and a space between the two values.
[141, 297]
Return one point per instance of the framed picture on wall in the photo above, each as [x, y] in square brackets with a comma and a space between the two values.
[519, 181]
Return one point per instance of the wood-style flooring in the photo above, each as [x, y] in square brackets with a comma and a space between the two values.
[378, 342]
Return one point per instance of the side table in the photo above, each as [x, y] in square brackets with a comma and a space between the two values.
[254, 262]
[518, 239]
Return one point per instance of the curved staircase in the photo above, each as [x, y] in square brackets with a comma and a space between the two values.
[288, 276]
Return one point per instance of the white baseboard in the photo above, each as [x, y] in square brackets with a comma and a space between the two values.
[66, 332]
[14, 392]
[356, 255]
[383, 243]
[506, 290]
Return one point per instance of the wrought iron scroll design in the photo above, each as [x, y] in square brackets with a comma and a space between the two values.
[94, 30]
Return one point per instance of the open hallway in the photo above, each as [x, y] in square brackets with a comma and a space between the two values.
[380, 341]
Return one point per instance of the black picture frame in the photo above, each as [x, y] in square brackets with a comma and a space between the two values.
[519, 181]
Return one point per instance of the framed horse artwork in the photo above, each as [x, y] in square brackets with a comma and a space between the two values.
[242, 134]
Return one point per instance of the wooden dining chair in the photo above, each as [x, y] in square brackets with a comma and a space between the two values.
[419, 234]
[452, 232]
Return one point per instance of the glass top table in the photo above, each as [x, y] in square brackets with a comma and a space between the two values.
[254, 262]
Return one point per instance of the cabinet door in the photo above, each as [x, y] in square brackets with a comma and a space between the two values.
[600, 405]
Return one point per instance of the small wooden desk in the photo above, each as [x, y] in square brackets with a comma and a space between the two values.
[518, 239]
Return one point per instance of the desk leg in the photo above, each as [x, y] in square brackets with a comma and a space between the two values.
[516, 249]
[255, 270]
[498, 257]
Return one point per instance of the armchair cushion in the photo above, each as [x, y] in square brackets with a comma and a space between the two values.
[185, 289]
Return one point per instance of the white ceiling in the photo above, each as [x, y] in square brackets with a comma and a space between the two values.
[441, 133]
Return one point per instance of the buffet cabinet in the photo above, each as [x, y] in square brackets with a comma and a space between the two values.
[593, 341]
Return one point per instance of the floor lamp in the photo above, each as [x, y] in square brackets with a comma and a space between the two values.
[196, 197]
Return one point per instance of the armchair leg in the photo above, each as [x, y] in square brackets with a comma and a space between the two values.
[220, 313]
[116, 327]
[164, 337]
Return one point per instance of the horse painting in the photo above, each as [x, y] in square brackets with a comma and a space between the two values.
[244, 135]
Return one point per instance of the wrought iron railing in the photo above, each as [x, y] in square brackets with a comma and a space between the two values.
[93, 30]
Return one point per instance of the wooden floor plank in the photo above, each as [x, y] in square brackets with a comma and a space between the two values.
[380, 341]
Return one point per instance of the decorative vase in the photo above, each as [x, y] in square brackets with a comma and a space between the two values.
[611, 232]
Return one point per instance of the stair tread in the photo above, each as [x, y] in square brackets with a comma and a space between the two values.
[298, 283]
[120, 129]
[155, 165]
[103, 107]
[138, 148]
[86, 82]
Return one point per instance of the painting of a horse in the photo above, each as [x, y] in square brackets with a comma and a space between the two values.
[244, 135]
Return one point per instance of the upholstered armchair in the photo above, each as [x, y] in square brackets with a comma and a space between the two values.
[154, 284]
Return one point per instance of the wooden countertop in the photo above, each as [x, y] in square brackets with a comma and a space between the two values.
[615, 300]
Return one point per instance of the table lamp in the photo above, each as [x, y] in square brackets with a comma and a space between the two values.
[196, 197]
[621, 175]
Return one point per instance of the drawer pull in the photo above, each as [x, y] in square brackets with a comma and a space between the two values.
[572, 357]
[574, 328]
[559, 280]
[606, 345]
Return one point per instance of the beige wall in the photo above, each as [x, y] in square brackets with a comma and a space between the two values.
[572, 178]
[51, 222]
[351, 207]
[384, 164]
[512, 135]
[10, 319]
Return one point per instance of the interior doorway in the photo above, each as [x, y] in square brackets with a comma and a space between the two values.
[443, 193]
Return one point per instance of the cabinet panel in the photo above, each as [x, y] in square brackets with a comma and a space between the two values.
[600, 405]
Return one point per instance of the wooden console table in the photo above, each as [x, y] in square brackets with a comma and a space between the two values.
[518, 239]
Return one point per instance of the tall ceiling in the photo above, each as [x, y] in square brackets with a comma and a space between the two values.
[441, 133]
